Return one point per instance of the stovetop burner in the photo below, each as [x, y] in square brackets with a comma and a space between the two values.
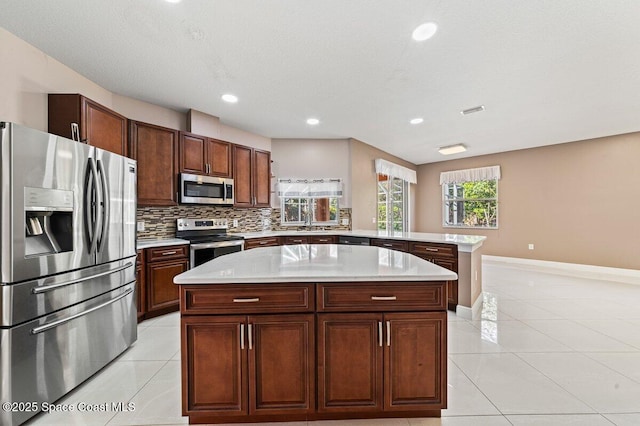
[204, 230]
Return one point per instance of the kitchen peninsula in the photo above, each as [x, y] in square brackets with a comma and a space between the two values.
[456, 252]
[302, 332]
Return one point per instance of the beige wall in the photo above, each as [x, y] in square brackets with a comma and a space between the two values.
[313, 158]
[576, 202]
[27, 75]
[363, 178]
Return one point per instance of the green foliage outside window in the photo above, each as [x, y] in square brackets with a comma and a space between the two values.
[471, 204]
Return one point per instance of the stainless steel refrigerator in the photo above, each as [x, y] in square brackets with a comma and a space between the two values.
[67, 235]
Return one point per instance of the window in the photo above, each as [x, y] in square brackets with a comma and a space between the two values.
[470, 198]
[310, 201]
[310, 211]
[392, 203]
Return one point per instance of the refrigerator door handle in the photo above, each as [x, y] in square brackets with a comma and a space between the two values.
[56, 323]
[105, 206]
[90, 194]
[47, 288]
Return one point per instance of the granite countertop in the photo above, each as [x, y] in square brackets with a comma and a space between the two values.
[465, 243]
[315, 263]
[144, 243]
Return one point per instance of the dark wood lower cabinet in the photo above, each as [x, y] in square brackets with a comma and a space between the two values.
[249, 365]
[249, 358]
[349, 362]
[161, 292]
[381, 362]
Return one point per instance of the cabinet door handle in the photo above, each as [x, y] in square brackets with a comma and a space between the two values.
[167, 253]
[246, 300]
[383, 298]
[380, 333]
[388, 333]
[250, 333]
[242, 336]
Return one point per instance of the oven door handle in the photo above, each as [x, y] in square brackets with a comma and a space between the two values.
[216, 244]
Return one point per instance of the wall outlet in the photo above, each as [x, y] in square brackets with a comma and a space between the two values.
[373, 220]
[235, 223]
[530, 246]
[344, 222]
[140, 226]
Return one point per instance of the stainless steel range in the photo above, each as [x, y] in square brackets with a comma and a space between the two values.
[209, 239]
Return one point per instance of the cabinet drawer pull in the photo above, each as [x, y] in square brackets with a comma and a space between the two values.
[430, 249]
[323, 240]
[387, 245]
[383, 297]
[388, 333]
[246, 300]
[297, 241]
[380, 333]
[167, 253]
[264, 242]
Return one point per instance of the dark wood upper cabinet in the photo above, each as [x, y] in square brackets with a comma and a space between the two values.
[156, 150]
[219, 155]
[204, 156]
[193, 153]
[252, 177]
[98, 125]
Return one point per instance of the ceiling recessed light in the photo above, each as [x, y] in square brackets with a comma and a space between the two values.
[452, 149]
[472, 110]
[173, 1]
[230, 98]
[313, 121]
[416, 120]
[424, 31]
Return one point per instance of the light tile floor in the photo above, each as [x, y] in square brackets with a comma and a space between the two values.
[547, 350]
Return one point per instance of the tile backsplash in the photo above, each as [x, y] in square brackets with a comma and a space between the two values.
[160, 222]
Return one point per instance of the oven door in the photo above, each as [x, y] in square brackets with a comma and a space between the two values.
[204, 252]
[197, 189]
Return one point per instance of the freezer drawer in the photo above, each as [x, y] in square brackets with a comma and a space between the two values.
[45, 358]
[32, 299]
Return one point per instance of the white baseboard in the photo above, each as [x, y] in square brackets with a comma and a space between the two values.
[629, 276]
[464, 312]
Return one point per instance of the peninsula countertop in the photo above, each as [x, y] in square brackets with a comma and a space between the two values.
[465, 243]
[315, 263]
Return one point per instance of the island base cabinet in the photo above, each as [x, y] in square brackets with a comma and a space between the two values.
[248, 365]
[381, 362]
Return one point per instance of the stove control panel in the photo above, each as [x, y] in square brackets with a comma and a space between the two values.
[201, 224]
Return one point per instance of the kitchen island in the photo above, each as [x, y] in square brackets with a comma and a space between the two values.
[304, 332]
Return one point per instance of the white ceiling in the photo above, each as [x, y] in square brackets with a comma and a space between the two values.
[547, 71]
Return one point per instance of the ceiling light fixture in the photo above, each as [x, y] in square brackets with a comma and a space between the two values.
[416, 120]
[173, 1]
[425, 31]
[452, 149]
[313, 121]
[232, 99]
[472, 110]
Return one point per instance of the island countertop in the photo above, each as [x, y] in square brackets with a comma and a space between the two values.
[315, 263]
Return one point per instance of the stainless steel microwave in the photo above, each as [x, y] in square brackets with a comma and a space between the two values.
[198, 189]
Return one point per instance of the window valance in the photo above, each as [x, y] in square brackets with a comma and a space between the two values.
[470, 175]
[384, 167]
[309, 188]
